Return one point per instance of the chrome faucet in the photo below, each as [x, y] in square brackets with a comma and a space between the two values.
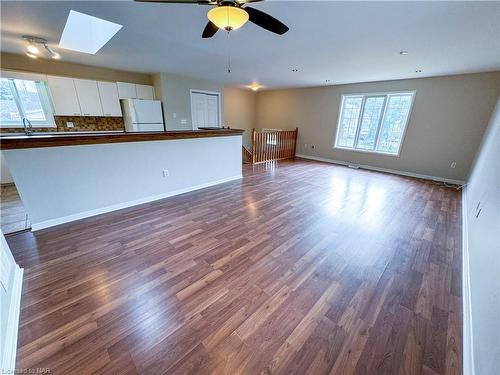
[28, 129]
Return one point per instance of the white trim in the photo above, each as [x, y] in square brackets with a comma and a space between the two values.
[9, 355]
[386, 170]
[219, 96]
[468, 342]
[381, 121]
[119, 206]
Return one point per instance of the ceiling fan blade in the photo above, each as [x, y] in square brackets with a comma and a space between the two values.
[265, 21]
[243, 2]
[200, 2]
[209, 30]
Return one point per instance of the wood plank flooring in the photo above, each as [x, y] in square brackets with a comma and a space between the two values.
[303, 268]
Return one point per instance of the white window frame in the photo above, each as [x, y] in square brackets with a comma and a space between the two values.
[386, 95]
[47, 104]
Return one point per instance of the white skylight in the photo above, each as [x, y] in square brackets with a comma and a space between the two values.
[84, 33]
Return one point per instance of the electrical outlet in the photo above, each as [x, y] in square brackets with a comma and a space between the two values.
[453, 164]
[166, 173]
[69, 124]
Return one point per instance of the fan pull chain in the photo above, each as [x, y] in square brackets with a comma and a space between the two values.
[228, 54]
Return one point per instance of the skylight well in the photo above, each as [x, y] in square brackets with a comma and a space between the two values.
[87, 34]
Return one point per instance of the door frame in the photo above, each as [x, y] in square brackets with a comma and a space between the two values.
[216, 93]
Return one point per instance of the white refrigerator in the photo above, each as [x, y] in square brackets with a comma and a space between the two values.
[142, 115]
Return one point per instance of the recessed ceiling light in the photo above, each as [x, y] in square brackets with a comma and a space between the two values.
[403, 53]
[87, 34]
[255, 86]
[418, 71]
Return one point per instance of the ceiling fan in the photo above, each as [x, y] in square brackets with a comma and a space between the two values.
[230, 15]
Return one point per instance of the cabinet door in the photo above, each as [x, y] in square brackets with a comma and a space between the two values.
[144, 92]
[126, 90]
[88, 96]
[110, 100]
[64, 98]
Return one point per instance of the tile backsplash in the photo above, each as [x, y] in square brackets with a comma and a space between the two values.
[80, 123]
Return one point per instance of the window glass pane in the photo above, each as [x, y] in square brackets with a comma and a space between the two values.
[8, 107]
[30, 100]
[369, 122]
[349, 121]
[394, 122]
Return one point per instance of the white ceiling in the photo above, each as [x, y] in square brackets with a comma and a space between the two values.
[344, 42]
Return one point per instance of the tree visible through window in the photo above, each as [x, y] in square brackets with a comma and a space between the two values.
[374, 123]
[28, 99]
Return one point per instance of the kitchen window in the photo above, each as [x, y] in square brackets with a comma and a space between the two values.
[374, 122]
[23, 96]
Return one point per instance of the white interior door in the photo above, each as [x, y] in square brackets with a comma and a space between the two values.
[205, 109]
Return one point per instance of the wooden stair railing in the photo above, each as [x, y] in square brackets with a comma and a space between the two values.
[273, 145]
[247, 155]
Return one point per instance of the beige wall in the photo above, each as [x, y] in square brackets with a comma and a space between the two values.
[482, 239]
[56, 67]
[174, 92]
[448, 120]
[239, 111]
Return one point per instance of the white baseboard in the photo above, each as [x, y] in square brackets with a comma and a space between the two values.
[119, 206]
[386, 170]
[9, 354]
[468, 347]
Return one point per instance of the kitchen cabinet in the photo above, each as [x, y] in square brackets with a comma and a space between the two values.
[144, 92]
[64, 97]
[110, 100]
[88, 97]
[126, 90]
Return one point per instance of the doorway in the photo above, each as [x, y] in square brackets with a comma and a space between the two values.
[205, 109]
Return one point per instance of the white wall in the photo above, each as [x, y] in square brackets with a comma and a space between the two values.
[482, 247]
[10, 299]
[60, 184]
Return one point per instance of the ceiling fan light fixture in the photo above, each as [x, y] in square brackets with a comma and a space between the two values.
[228, 17]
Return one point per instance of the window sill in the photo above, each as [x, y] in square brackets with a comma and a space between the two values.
[367, 151]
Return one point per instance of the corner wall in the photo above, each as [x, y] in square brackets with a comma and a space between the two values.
[448, 120]
[174, 92]
[482, 257]
[239, 111]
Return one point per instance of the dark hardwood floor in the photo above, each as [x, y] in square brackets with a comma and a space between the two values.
[307, 268]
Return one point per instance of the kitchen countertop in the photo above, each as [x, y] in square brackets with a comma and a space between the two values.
[18, 140]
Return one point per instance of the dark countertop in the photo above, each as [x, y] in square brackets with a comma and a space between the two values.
[18, 141]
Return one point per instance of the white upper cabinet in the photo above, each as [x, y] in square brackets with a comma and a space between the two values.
[108, 92]
[88, 96]
[145, 92]
[64, 97]
[126, 90]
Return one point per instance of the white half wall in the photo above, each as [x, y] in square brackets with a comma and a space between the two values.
[61, 184]
[11, 277]
[482, 257]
